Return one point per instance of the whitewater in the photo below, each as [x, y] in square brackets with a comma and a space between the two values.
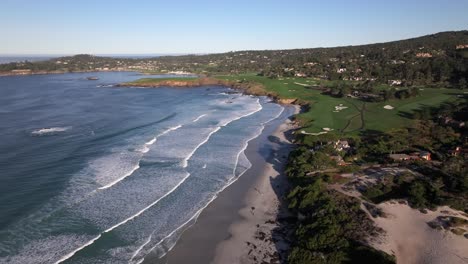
[103, 174]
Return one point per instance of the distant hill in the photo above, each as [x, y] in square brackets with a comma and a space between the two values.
[439, 60]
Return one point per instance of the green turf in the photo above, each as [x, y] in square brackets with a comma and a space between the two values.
[321, 114]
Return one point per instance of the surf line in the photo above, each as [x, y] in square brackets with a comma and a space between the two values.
[149, 143]
[246, 144]
[194, 216]
[198, 118]
[230, 181]
[71, 254]
[185, 161]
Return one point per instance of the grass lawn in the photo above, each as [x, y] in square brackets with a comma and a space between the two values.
[357, 116]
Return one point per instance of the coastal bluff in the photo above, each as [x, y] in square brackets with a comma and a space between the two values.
[249, 88]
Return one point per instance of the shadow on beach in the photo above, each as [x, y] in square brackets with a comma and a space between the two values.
[283, 223]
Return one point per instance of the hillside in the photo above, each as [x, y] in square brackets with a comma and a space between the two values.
[438, 60]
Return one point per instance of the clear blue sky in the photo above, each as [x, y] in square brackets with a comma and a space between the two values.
[207, 26]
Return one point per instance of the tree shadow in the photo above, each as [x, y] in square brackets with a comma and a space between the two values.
[281, 225]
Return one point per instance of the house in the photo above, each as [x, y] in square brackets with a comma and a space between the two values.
[451, 122]
[341, 145]
[423, 55]
[425, 155]
[455, 152]
[399, 157]
[394, 82]
[300, 74]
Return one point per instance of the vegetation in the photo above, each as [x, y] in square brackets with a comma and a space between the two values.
[397, 97]
[432, 60]
[358, 114]
[332, 228]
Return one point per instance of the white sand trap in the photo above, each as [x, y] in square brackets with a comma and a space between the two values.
[340, 107]
[285, 83]
[327, 129]
[411, 239]
[301, 84]
[389, 107]
[313, 134]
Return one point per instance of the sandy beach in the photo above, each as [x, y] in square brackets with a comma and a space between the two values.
[241, 224]
[256, 238]
[410, 238]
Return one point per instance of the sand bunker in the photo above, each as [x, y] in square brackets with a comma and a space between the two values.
[388, 107]
[313, 134]
[339, 107]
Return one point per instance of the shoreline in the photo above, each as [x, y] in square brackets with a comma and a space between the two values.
[244, 210]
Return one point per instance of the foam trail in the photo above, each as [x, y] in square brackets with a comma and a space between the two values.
[121, 178]
[198, 118]
[48, 131]
[151, 142]
[247, 142]
[123, 222]
[278, 115]
[69, 255]
[165, 195]
[185, 161]
[231, 181]
[260, 107]
[144, 150]
[195, 216]
[141, 247]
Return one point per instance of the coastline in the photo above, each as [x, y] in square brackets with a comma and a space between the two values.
[246, 211]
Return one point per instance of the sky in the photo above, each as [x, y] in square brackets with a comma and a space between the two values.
[68, 27]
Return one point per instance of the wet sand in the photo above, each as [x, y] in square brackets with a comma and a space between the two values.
[237, 226]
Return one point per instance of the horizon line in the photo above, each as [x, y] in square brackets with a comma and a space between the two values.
[208, 53]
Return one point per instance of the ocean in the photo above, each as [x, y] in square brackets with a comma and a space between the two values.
[21, 58]
[93, 173]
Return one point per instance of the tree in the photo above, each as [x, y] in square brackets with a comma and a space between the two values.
[462, 84]
[417, 192]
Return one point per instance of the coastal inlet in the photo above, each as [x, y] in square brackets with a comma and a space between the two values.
[93, 173]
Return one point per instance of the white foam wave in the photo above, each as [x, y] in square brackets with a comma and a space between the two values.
[151, 142]
[184, 162]
[259, 107]
[141, 247]
[186, 159]
[69, 255]
[49, 131]
[194, 217]
[143, 150]
[230, 181]
[275, 117]
[198, 118]
[123, 222]
[121, 178]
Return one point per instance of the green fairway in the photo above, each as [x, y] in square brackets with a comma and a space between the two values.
[357, 116]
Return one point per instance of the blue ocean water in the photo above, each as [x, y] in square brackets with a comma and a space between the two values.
[92, 173]
[21, 58]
